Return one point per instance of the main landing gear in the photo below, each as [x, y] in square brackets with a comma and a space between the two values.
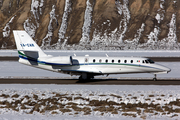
[86, 76]
[155, 79]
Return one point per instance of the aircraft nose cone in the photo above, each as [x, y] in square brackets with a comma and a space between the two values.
[167, 69]
[164, 69]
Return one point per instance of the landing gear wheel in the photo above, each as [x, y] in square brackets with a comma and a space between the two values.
[154, 79]
[85, 76]
[80, 78]
[92, 77]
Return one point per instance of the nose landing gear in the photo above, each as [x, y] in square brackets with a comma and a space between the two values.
[155, 79]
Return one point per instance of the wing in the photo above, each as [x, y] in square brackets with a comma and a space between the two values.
[93, 71]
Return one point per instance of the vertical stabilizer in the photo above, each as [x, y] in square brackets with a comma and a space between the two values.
[26, 45]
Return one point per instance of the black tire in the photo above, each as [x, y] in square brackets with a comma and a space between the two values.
[80, 78]
[154, 79]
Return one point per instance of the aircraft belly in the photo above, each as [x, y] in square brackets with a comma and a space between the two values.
[106, 69]
[75, 70]
[113, 69]
[109, 69]
[90, 69]
[123, 69]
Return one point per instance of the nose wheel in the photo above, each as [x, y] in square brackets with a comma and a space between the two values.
[155, 79]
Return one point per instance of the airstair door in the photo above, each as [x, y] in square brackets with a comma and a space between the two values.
[86, 60]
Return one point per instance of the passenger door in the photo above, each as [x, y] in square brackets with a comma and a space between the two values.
[86, 60]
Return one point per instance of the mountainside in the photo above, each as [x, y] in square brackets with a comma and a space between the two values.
[93, 24]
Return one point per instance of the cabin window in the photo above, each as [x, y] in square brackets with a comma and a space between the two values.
[112, 61]
[125, 61]
[119, 61]
[131, 61]
[106, 61]
[100, 60]
[94, 60]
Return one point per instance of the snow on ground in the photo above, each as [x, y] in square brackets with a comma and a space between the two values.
[136, 53]
[79, 102]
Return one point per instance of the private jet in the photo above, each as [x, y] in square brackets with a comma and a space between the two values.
[84, 66]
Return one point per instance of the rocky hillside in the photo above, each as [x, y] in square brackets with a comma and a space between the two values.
[93, 24]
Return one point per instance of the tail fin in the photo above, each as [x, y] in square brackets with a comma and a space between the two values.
[26, 46]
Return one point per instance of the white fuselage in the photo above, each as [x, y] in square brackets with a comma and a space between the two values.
[76, 65]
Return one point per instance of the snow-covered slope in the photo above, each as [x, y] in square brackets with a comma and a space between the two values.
[93, 25]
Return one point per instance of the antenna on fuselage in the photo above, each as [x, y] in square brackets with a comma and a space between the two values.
[107, 55]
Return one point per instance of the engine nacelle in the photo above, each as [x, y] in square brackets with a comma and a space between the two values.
[64, 60]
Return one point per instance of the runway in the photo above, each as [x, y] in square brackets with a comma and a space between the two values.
[156, 59]
[103, 81]
[129, 81]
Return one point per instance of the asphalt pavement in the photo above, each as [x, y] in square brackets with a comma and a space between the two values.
[122, 81]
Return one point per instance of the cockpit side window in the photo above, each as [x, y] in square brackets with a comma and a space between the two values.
[150, 61]
[146, 61]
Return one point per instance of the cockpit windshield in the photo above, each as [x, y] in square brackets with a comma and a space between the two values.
[150, 61]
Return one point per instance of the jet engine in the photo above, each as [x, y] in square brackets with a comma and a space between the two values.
[64, 60]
